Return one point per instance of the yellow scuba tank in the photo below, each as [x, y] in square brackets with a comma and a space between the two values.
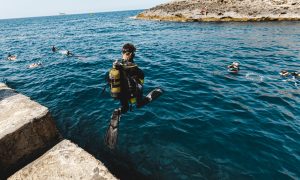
[115, 84]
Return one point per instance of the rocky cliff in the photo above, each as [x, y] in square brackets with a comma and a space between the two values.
[224, 10]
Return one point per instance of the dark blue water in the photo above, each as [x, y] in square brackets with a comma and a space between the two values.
[208, 124]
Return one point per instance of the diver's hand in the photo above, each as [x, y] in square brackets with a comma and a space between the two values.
[136, 79]
[139, 86]
[117, 65]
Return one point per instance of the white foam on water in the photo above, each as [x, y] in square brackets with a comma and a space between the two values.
[132, 17]
[255, 77]
[64, 52]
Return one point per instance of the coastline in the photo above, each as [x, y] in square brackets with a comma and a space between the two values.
[223, 11]
[216, 19]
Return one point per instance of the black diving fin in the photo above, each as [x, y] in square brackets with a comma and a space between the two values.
[151, 96]
[154, 94]
[111, 136]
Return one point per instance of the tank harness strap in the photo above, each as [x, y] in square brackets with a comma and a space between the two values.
[130, 107]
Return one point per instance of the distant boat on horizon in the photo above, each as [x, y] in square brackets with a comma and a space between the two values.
[62, 14]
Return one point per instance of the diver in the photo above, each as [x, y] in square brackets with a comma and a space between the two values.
[126, 80]
[295, 74]
[54, 49]
[69, 53]
[284, 73]
[34, 65]
[234, 67]
[11, 57]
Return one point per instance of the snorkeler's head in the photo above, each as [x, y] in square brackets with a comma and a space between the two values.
[284, 73]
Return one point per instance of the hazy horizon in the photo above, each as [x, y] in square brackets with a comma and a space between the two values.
[34, 8]
[79, 13]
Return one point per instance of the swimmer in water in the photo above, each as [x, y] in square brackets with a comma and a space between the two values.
[54, 49]
[284, 73]
[34, 65]
[69, 53]
[11, 57]
[234, 67]
[295, 74]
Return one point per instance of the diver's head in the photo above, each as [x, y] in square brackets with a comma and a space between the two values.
[128, 52]
[295, 74]
[235, 64]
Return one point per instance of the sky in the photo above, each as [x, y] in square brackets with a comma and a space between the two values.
[33, 8]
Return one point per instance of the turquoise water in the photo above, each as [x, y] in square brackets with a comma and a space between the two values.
[209, 124]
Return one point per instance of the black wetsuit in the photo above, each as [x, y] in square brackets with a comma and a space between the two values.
[131, 81]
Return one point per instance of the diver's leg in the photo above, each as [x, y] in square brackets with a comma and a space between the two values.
[111, 135]
[140, 100]
[124, 104]
[150, 97]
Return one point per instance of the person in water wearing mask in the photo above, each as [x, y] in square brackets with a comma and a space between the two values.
[126, 80]
[11, 57]
[69, 53]
[295, 74]
[234, 67]
[284, 73]
[34, 65]
[54, 49]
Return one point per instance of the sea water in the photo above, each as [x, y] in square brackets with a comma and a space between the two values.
[208, 124]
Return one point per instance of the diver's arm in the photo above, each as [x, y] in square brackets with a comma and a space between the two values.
[140, 75]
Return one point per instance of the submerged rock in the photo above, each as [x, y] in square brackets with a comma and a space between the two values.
[224, 10]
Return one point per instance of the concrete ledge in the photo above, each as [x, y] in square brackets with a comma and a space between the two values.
[26, 130]
[64, 161]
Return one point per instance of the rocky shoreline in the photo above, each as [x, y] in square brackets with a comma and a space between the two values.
[224, 10]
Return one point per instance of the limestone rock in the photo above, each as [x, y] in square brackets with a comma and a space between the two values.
[64, 161]
[26, 130]
[224, 10]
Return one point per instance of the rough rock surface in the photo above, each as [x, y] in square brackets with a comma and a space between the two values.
[26, 130]
[64, 161]
[224, 10]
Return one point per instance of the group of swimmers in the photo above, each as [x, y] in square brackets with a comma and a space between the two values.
[11, 57]
[235, 67]
[285, 73]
